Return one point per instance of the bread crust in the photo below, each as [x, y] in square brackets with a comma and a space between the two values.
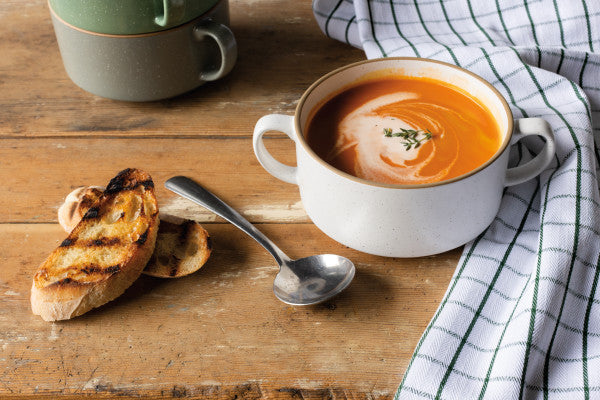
[104, 254]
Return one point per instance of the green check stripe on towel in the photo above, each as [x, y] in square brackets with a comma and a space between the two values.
[521, 317]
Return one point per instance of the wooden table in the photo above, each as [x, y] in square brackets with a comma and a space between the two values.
[219, 333]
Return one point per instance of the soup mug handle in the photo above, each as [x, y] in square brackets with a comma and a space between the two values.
[527, 127]
[280, 123]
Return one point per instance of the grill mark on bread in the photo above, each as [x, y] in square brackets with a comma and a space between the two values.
[119, 182]
[104, 241]
[67, 242]
[147, 184]
[95, 269]
[91, 213]
[183, 237]
[142, 239]
[65, 281]
[68, 282]
[90, 269]
[185, 232]
[175, 269]
[113, 269]
[123, 181]
[74, 273]
[100, 242]
[73, 209]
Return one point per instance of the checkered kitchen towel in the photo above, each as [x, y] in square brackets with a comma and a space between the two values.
[521, 317]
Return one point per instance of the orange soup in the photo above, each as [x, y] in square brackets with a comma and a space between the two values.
[403, 131]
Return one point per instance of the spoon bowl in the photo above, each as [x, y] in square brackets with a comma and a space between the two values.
[305, 281]
[313, 279]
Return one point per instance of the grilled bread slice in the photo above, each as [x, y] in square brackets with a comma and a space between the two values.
[104, 254]
[181, 248]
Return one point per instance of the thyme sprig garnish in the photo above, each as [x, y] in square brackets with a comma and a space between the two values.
[409, 136]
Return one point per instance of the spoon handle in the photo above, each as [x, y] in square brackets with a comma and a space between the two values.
[191, 190]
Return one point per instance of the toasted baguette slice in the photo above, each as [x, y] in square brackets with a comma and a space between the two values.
[181, 248]
[104, 254]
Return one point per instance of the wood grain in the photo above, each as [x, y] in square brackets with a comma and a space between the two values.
[279, 57]
[39, 173]
[219, 333]
[220, 328]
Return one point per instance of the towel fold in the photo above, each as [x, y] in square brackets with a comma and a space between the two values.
[521, 316]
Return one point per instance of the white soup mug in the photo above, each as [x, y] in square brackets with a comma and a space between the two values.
[402, 220]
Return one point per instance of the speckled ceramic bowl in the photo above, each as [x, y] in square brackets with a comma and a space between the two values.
[149, 66]
[128, 17]
[401, 220]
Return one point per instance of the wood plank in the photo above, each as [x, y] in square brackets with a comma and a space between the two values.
[220, 332]
[37, 174]
[277, 62]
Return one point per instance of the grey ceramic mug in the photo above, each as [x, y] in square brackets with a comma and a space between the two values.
[151, 66]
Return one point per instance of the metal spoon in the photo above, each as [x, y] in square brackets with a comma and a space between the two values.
[309, 280]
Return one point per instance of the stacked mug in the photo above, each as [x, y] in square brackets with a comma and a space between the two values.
[143, 50]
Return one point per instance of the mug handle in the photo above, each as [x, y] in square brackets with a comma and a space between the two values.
[526, 127]
[172, 13]
[274, 122]
[224, 38]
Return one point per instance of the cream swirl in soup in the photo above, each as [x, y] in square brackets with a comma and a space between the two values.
[435, 132]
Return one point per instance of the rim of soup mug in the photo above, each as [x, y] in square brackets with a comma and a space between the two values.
[311, 152]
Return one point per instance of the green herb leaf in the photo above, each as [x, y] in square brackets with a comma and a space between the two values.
[410, 137]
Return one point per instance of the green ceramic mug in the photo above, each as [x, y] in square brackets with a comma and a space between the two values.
[149, 66]
[128, 17]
